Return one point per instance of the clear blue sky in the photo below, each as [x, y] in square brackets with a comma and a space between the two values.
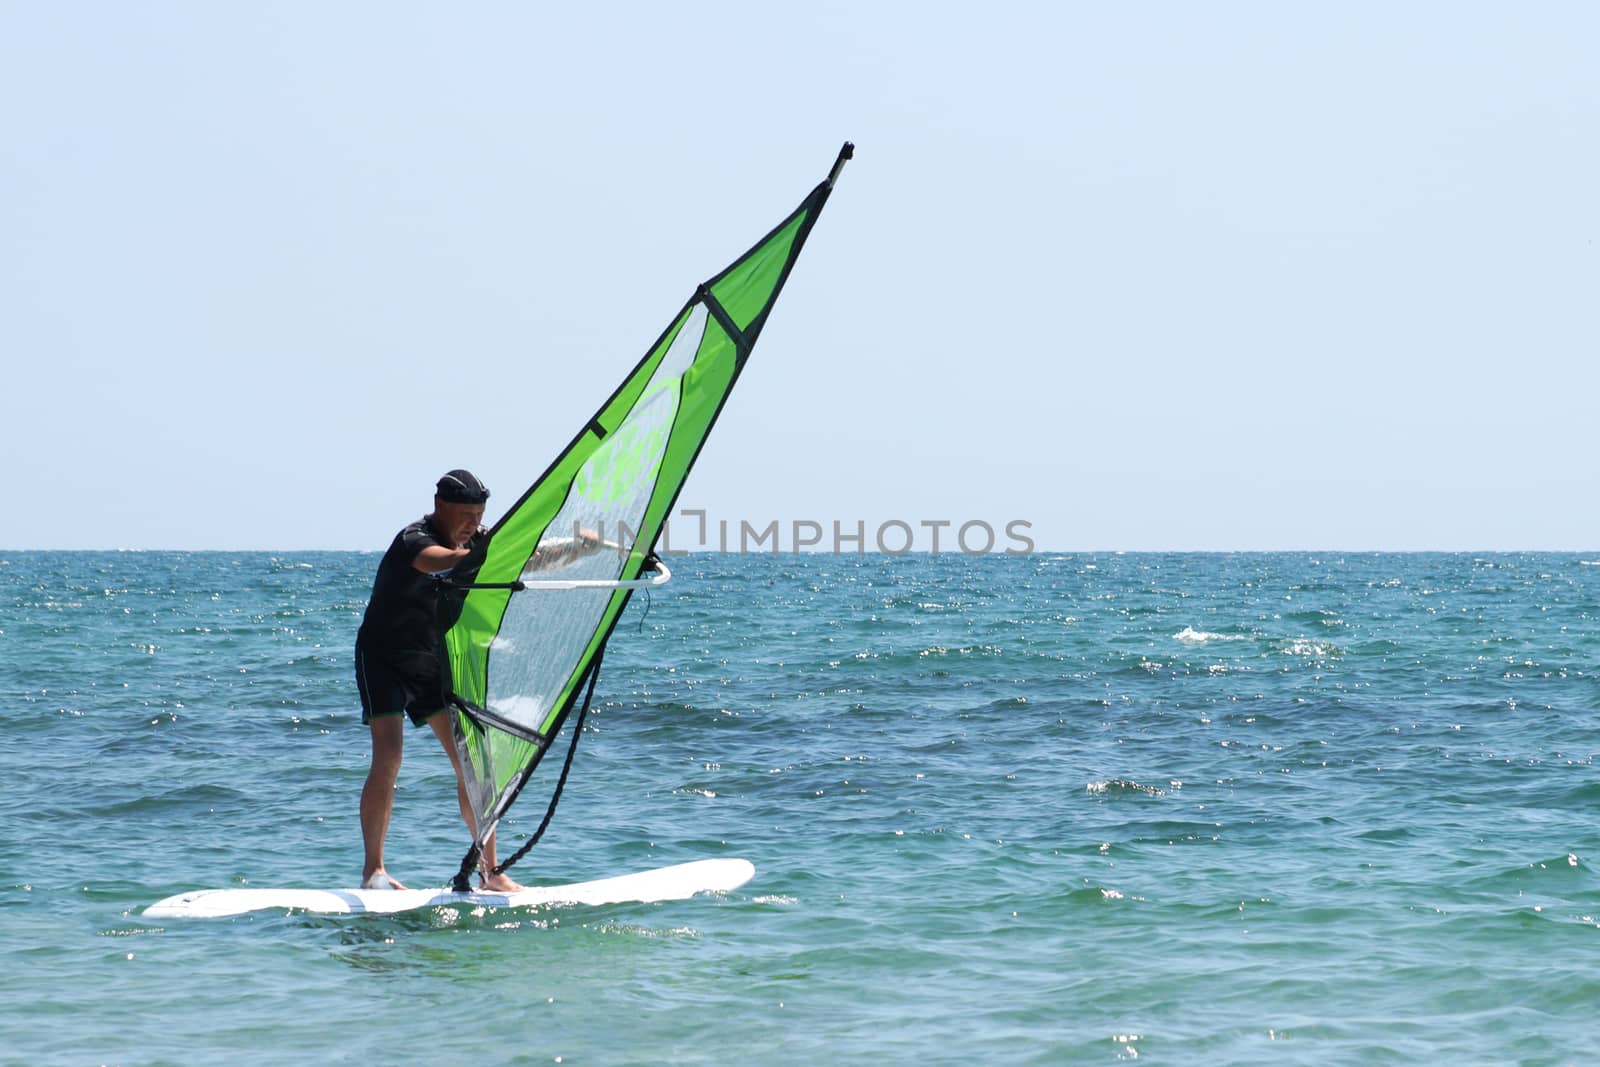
[1153, 276]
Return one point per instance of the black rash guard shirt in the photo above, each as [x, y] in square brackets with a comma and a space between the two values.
[401, 614]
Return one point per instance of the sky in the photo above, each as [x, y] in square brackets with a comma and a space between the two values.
[1153, 276]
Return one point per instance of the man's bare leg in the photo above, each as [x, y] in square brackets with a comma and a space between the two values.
[377, 796]
[497, 883]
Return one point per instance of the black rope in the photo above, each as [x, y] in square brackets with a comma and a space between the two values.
[561, 783]
[651, 560]
[462, 882]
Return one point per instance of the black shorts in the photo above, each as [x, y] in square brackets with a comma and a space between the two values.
[392, 682]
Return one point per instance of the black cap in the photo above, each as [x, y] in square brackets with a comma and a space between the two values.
[462, 487]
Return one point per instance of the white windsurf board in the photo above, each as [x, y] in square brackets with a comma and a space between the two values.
[664, 883]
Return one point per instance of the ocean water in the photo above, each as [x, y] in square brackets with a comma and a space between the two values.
[1262, 808]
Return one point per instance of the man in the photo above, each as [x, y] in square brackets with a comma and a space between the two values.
[399, 662]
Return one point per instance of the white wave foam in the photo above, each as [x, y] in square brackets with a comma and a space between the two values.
[1304, 646]
[1125, 784]
[1190, 636]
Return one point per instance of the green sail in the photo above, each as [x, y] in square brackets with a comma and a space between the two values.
[522, 653]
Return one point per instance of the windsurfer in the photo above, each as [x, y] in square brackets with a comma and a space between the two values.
[398, 662]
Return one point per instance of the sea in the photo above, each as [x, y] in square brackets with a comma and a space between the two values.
[1299, 808]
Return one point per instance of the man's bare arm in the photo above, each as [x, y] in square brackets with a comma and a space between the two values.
[436, 558]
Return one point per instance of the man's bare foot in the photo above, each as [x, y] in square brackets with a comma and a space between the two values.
[500, 883]
[380, 879]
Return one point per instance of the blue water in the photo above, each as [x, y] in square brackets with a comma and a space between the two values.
[1065, 809]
